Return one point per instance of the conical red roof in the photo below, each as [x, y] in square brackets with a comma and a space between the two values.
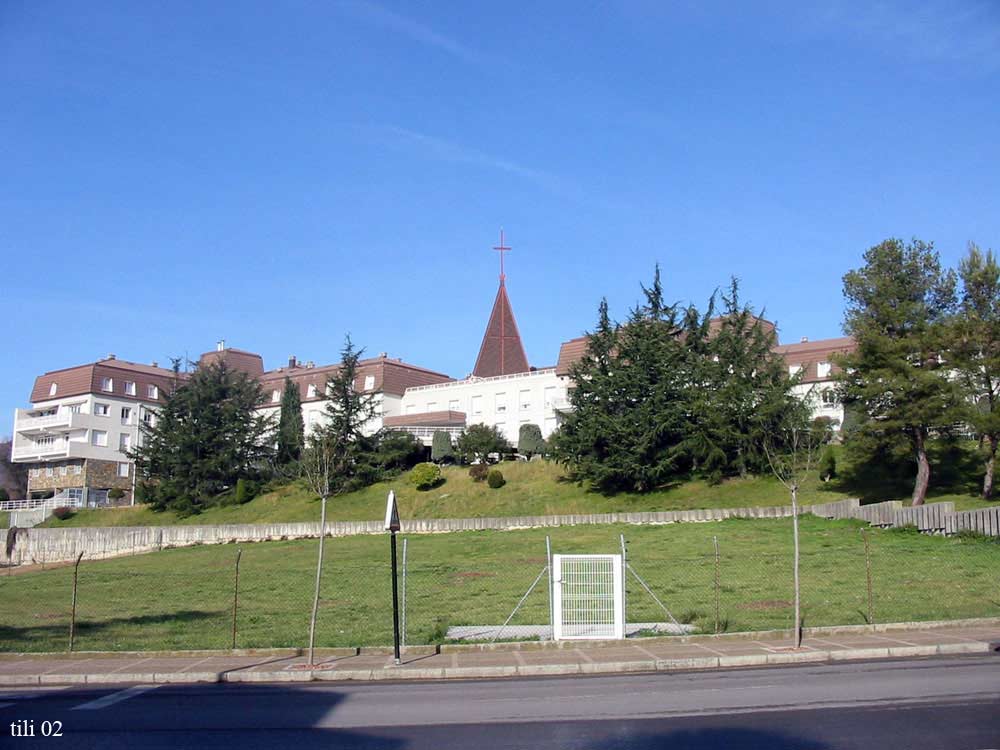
[502, 352]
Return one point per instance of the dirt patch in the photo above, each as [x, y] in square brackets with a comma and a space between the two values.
[29, 568]
[765, 604]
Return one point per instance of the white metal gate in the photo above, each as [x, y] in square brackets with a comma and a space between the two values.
[588, 597]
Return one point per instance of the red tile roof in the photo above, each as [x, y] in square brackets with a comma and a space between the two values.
[808, 355]
[83, 379]
[501, 352]
[392, 376]
[237, 359]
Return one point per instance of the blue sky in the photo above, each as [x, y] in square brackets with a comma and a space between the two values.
[280, 174]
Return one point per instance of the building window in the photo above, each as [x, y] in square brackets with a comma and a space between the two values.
[311, 391]
[53, 388]
[102, 410]
[431, 406]
[453, 405]
[77, 469]
[411, 408]
[99, 438]
[829, 397]
[124, 441]
[275, 397]
[107, 384]
[794, 370]
[129, 388]
[153, 392]
[62, 471]
[525, 399]
[501, 428]
[369, 382]
[126, 414]
[48, 471]
[501, 403]
[823, 369]
[75, 408]
[123, 469]
[477, 405]
[550, 396]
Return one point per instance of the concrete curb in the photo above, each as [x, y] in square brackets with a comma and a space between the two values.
[523, 670]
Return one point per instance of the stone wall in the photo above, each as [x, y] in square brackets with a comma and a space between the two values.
[57, 481]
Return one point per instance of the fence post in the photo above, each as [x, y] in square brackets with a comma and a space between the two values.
[72, 616]
[868, 575]
[236, 592]
[548, 557]
[624, 582]
[718, 580]
[402, 614]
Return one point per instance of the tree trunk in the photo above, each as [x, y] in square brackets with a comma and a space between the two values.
[319, 576]
[923, 468]
[797, 634]
[990, 460]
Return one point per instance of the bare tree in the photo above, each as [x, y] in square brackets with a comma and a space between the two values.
[791, 454]
[316, 467]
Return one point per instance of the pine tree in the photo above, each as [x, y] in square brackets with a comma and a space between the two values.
[207, 435]
[348, 410]
[976, 351]
[291, 429]
[899, 306]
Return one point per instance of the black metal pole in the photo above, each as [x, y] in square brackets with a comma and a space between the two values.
[395, 598]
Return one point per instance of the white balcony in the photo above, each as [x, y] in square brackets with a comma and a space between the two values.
[27, 423]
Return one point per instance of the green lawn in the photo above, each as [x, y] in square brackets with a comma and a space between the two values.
[4, 520]
[183, 598]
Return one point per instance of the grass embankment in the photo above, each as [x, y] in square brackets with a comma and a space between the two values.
[183, 598]
[541, 488]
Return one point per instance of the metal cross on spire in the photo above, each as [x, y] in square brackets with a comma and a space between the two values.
[501, 248]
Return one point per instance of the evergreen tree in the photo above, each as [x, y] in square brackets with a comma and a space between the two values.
[478, 441]
[746, 390]
[898, 312]
[207, 435]
[976, 351]
[441, 447]
[348, 410]
[627, 427]
[291, 429]
[529, 440]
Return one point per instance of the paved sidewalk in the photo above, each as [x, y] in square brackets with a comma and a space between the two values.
[506, 660]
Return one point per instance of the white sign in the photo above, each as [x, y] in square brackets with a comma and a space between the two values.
[391, 513]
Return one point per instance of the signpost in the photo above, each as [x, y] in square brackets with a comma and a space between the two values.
[392, 526]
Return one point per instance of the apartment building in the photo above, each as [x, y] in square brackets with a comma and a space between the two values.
[81, 424]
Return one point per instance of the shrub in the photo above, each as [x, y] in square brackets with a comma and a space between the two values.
[62, 512]
[244, 493]
[425, 476]
[116, 493]
[3, 494]
[529, 441]
[495, 479]
[478, 472]
[827, 464]
[441, 447]
[480, 441]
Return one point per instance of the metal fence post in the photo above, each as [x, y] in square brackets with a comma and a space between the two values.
[548, 558]
[72, 616]
[621, 538]
[402, 614]
[718, 581]
[236, 593]
[868, 575]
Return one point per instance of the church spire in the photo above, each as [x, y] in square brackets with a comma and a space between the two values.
[501, 352]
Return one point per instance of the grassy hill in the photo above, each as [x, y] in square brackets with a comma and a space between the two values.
[533, 488]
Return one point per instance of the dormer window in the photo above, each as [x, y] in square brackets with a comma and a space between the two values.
[53, 388]
[129, 388]
[107, 384]
[153, 392]
[311, 391]
[369, 382]
[275, 397]
[794, 370]
[823, 369]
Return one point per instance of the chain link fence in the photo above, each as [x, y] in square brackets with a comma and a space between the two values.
[723, 577]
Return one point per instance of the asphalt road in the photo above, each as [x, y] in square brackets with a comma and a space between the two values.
[937, 704]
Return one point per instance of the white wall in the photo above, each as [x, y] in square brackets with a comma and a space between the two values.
[507, 401]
